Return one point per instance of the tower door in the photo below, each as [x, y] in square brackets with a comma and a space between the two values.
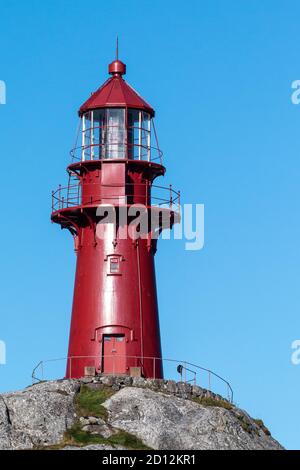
[114, 354]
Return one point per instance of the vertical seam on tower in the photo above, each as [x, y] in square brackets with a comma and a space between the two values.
[140, 299]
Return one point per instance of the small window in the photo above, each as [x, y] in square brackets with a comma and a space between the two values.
[114, 265]
[119, 339]
[106, 338]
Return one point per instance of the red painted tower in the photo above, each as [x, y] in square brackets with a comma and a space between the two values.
[115, 324]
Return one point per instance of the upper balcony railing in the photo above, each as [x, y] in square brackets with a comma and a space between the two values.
[116, 151]
[134, 193]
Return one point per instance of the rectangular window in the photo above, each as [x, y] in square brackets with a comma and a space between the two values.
[114, 266]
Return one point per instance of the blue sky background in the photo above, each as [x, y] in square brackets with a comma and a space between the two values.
[219, 75]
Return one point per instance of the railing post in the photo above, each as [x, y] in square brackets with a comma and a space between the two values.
[209, 381]
[42, 367]
[52, 201]
[59, 196]
[154, 371]
[171, 197]
[70, 367]
[184, 365]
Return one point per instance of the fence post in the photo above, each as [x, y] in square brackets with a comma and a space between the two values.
[184, 365]
[70, 367]
[154, 372]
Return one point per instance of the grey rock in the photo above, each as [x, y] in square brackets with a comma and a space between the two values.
[87, 380]
[5, 441]
[102, 430]
[138, 382]
[127, 381]
[38, 415]
[167, 422]
[197, 391]
[93, 420]
[171, 386]
[116, 387]
[83, 421]
[108, 380]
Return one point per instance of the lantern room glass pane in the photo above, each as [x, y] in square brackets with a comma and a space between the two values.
[98, 134]
[114, 134]
[138, 134]
[86, 136]
[133, 133]
[145, 138]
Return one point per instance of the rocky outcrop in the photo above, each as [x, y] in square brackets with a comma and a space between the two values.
[38, 415]
[131, 412]
[164, 422]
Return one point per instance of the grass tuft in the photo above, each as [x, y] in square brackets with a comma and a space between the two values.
[209, 401]
[127, 440]
[89, 402]
[77, 437]
[262, 426]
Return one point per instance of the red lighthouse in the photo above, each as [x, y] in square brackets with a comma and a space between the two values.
[115, 213]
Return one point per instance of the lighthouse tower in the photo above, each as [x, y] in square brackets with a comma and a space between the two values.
[115, 213]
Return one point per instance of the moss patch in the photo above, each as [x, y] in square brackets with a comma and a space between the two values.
[76, 437]
[89, 402]
[127, 440]
[209, 401]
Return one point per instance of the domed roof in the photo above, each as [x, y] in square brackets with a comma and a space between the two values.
[116, 93]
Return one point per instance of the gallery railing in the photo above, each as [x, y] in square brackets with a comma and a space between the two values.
[189, 372]
[161, 196]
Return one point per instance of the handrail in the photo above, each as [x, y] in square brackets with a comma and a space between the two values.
[77, 152]
[184, 364]
[71, 195]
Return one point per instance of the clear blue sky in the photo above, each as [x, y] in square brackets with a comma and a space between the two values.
[219, 75]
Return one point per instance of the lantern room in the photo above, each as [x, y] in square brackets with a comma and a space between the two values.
[116, 133]
[117, 123]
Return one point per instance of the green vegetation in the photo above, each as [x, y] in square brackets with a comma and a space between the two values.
[88, 402]
[209, 401]
[77, 437]
[127, 440]
[245, 423]
[262, 426]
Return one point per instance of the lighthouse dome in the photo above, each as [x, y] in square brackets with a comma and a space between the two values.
[116, 93]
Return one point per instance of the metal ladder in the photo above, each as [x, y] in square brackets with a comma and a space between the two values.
[73, 192]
